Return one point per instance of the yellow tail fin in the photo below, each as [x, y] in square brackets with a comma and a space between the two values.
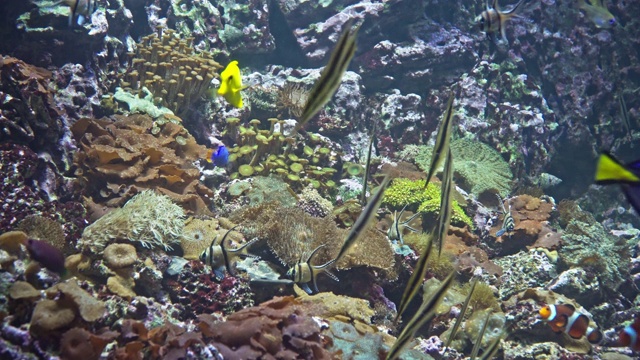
[609, 169]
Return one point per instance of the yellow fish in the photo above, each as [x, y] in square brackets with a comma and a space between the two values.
[231, 84]
[598, 13]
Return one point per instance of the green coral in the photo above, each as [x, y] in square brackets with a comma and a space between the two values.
[150, 219]
[411, 193]
[478, 167]
[591, 246]
[481, 167]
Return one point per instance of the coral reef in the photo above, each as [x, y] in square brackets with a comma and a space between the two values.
[148, 219]
[119, 159]
[171, 70]
[408, 192]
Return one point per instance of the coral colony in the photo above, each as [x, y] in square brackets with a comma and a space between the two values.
[229, 180]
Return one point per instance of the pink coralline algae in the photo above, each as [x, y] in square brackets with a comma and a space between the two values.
[197, 289]
[21, 195]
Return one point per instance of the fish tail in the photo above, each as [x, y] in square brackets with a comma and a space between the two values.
[501, 232]
[610, 170]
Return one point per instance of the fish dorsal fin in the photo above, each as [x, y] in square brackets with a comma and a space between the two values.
[227, 234]
[494, 4]
[214, 240]
[569, 306]
[313, 253]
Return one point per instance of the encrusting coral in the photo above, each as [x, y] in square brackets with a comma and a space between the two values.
[42, 228]
[149, 219]
[123, 157]
[170, 69]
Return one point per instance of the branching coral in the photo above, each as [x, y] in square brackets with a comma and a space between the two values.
[119, 159]
[168, 67]
[408, 192]
[150, 219]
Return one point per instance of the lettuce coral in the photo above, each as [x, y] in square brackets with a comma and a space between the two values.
[409, 192]
[118, 159]
[150, 219]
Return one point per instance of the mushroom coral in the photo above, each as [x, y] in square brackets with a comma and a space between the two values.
[121, 157]
[118, 256]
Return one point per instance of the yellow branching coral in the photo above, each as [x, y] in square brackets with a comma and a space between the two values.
[170, 69]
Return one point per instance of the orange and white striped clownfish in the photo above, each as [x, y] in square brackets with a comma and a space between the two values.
[629, 335]
[565, 318]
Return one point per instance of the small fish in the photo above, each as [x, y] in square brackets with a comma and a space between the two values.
[303, 272]
[363, 196]
[425, 313]
[46, 254]
[415, 281]
[492, 20]
[231, 84]
[629, 336]
[598, 13]
[611, 171]
[463, 311]
[493, 347]
[507, 223]
[443, 139]
[565, 318]
[331, 76]
[80, 10]
[220, 157]
[546, 181]
[363, 220]
[220, 258]
[397, 227]
[624, 112]
[444, 218]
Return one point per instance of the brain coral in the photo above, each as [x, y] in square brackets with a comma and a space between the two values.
[120, 158]
[150, 219]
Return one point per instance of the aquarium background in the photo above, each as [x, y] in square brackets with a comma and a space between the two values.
[147, 213]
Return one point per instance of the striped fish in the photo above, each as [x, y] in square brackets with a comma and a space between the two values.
[303, 272]
[221, 258]
[420, 270]
[331, 76]
[492, 348]
[425, 313]
[364, 219]
[492, 20]
[443, 139]
[507, 223]
[397, 227]
[463, 311]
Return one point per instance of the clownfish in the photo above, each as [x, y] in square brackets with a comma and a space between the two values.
[231, 84]
[565, 318]
[629, 336]
[219, 157]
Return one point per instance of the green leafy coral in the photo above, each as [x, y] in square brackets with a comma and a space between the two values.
[409, 192]
[477, 167]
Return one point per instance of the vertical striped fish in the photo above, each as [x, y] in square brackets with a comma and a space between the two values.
[508, 223]
[364, 219]
[425, 313]
[443, 139]
[303, 272]
[331, 76]
[492, 20]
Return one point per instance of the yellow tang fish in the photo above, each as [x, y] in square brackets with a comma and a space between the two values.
[231, 84]
[598, 13]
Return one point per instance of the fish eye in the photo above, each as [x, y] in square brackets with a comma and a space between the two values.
[612, 21]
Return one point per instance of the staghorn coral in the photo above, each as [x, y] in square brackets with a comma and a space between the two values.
[121, 158]
[170, 69]
[291, 233]
[408, 192]
[150, 219]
